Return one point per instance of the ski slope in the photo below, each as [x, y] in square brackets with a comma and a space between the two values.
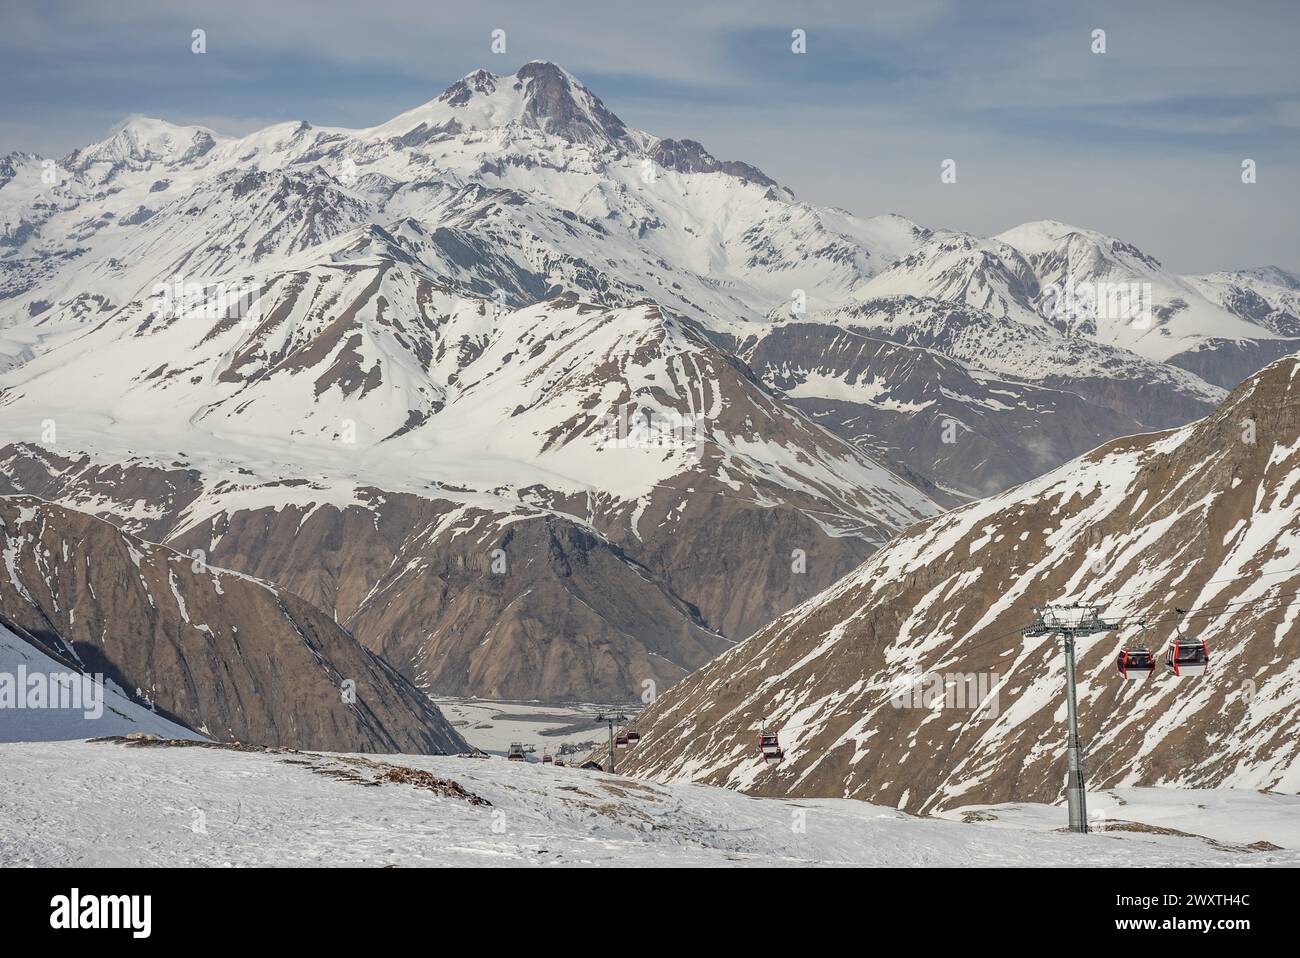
[106, 804]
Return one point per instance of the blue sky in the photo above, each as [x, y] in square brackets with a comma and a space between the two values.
[1144, 141]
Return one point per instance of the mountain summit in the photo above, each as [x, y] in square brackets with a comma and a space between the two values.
[541, 96]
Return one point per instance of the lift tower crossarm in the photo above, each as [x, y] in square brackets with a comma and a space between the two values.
[1071, 622]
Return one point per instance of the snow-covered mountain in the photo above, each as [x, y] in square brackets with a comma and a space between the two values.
[531, 171]
[229, 657]
[1269, 297]
[200, 333]
[495, 428]
[1203, 518]
[1073, 337]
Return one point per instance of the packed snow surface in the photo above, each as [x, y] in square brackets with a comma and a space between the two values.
[105, 804]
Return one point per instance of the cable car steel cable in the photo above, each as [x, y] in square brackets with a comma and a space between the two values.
[770, 731]
[769, 741]
[1267, 602]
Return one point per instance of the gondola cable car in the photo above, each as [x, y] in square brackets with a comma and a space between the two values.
[633, 736]
[620, 741]
[769, 745]
[1135, 660]
[1186, 656]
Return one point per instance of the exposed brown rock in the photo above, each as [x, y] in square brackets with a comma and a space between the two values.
[228, 656]
[565, 615]
[1203, 518]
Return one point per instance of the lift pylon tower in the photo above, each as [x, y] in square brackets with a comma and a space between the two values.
[609, 718]
[1071, 622]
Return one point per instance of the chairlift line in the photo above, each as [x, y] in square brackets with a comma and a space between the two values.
[1125, 621]
[1135, 659]
[1231, 578]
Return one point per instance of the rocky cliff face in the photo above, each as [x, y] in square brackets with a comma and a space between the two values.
[473, 601]
[467, 602]
[910, 682]
[226, 655]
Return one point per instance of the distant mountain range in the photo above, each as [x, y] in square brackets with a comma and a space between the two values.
[537, 405]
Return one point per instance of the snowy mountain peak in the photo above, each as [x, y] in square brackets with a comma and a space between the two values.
[563, 107]
[960, 268]
[1039, 235]
[1046, 236]
[460, 92]
[1268, 275]
[139, 141]
[689, 156]
[541, 96]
